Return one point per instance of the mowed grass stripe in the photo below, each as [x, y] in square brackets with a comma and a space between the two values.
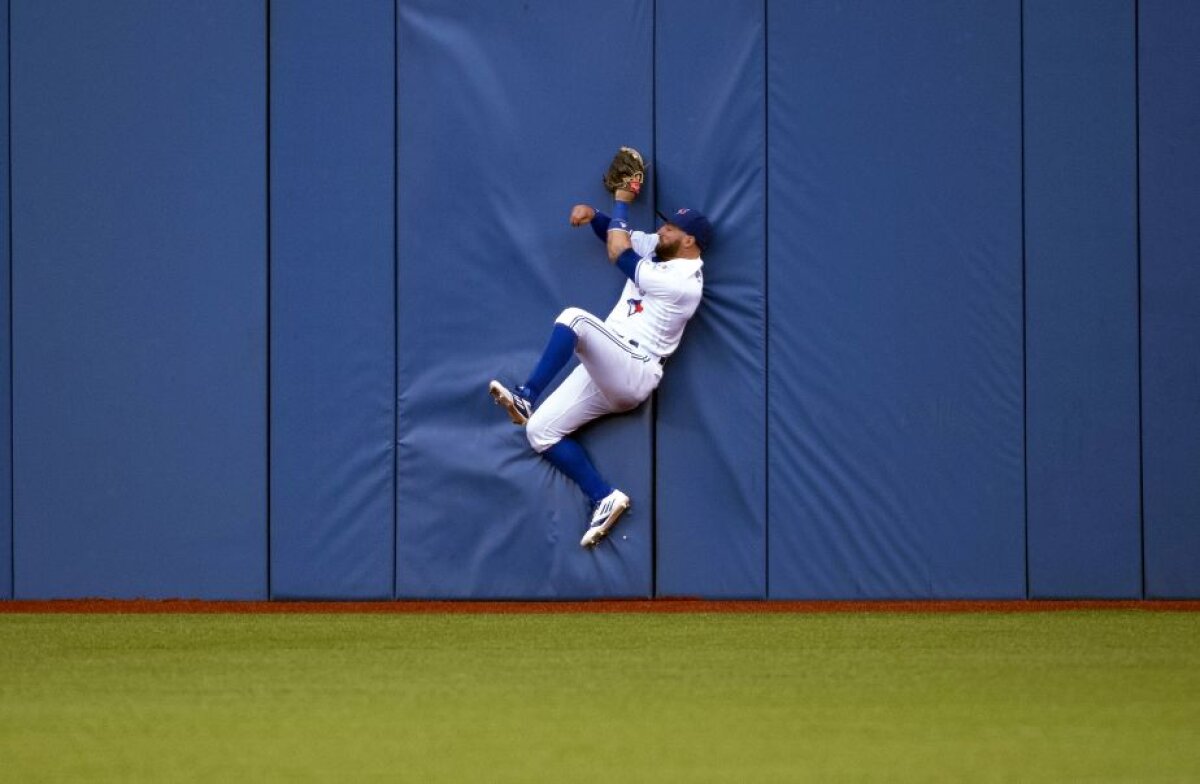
[1106, 695]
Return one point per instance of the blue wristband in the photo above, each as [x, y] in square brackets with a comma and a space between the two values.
[599, 225]
[621, 211]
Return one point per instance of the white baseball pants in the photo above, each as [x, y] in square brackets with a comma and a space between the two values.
[613, 376]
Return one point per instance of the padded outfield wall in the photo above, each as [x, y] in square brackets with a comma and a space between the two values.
[263, 258]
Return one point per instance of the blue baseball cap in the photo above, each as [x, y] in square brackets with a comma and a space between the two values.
[693, 222]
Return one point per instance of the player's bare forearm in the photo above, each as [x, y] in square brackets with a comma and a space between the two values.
[618, 243]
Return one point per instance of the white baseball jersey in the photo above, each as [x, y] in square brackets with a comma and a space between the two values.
[655, 307]
[619, 357]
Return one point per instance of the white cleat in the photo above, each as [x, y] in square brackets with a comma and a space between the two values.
[518, 408]
[608, 511]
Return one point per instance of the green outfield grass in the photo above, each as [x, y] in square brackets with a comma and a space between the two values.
[1082, 696]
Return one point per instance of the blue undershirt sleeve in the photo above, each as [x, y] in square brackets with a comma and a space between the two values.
[600, 225]
[628, 262]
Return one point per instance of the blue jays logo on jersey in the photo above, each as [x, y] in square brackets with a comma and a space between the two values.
[635, 306]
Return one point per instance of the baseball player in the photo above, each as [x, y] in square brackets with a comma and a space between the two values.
[621, 357]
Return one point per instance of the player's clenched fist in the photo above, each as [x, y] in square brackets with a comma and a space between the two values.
[582, 214]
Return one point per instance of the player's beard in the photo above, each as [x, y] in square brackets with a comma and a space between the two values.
[667, 251]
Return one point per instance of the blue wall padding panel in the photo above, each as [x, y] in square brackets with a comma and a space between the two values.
[1081, 299]
[6, 555]
[1169, 83]
[333, 369]
[710, 124]
[894, 285]
[499, 134]
[139, 280]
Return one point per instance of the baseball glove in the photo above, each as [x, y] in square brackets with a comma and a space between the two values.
[627, 172]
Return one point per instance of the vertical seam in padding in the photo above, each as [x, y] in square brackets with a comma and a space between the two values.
[267, 157]
[395, 281]
[1137, 206]
[1024, 313]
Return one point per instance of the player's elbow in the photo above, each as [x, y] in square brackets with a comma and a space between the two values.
[618, 243]
[617, 246]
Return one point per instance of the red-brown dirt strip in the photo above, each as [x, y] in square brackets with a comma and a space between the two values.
[142, 606]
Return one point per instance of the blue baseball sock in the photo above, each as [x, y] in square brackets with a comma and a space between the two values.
[568, 456]
[558, 352]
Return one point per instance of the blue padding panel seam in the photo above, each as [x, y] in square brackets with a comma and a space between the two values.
[766, 284]
[7, 571]
[1024, 329]
[270, 312]
[1137, 234]
[1169, 244]
[396, 278]
[1082, 318]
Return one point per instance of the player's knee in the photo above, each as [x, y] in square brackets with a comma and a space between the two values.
[572, 318]
[539, 434]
